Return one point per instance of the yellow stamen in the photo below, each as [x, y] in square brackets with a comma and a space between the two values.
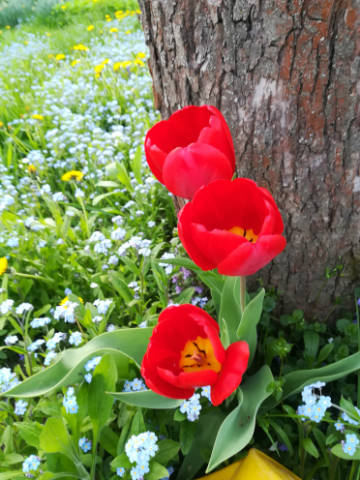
[199, 355]
[248, 233]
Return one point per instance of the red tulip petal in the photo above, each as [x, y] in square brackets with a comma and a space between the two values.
[278, 226]
[155, 157]
[187, 169]
[236, 360]
[189, 379]
[250, 257]
[218, 135]
[158, 385]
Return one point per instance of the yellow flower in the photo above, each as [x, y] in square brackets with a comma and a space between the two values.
[137, 61]
[138, 11]
[75, 62]
[63, 7]
[117, 66]
[72, 175]
[113, 30]
[26, 42]
[66, 299]
[7, 27]
[60, 56]
[31, 169]
[104, 62]
[98, 69]
[107, 18]
[48, 34]
[128, 32]
[80, 47]
[37, 116]
[90, 28]
[50, 55]
[3, 265]
[1, 124]
[141, 55]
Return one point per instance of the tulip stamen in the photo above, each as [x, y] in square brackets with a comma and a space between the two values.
[200, 354]
[249, 233]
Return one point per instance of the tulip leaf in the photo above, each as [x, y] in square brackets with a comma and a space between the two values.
[248, 323]
[295, 381]
[237, 429]
[229, 314]
[146, 399]
[68, 368]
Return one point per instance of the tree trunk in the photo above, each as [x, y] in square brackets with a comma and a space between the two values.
[285, 74]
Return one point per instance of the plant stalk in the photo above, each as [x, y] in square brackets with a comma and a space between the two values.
[242, 294]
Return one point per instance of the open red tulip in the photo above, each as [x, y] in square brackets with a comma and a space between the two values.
[191, 149]
[185, 352]
[234, 226]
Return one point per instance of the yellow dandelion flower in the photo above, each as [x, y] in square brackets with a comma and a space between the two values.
[75, 62]
[48, 34]
[72, 175]
[137, 61]
[63, 7]
[117, 66]
[1, 124]
[7, 27]
[113, 30]
[37, 116]
[108, 18]
[3, 265]
[141, 55]
[31, 169]
[128, 32]
[138, 11]
[90, 28]
[80, 47]
[104, 62]
[26, 42]
[98, 69]
[60, 56]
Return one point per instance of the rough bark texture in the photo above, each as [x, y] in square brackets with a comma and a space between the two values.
[286, 76]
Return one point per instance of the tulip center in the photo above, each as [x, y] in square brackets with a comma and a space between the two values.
[198, 355]
[248, 233]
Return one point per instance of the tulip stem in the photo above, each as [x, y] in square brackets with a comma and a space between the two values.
[242, 294]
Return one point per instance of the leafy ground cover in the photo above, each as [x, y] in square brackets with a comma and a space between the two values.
[84, 226]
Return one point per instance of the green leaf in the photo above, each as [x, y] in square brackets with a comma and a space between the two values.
[121, 461]
[108, 440]
[100, 405]
[339, 452]
[324, 353]
[294, 382]
[137, 424]
[10, 475]
[55, 438]
[282, 436]
[136, 164]
[309, 446]
[30, 432]
[120, 286]
[230, 311]
[207, 426]
[187, 434]
[157, 471]
[238, 427]
[167, 450]
[68, 369]
[249, 320]
[146, 399]
[311, 341]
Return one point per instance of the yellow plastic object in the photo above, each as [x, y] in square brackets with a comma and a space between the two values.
[256, 466]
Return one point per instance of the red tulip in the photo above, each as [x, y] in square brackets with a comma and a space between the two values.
[190, 149]
[185, 352]
[234, 226]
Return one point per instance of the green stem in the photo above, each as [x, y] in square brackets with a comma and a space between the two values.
[242, 294]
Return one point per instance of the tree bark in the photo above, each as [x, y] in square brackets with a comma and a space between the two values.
[286, 76]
